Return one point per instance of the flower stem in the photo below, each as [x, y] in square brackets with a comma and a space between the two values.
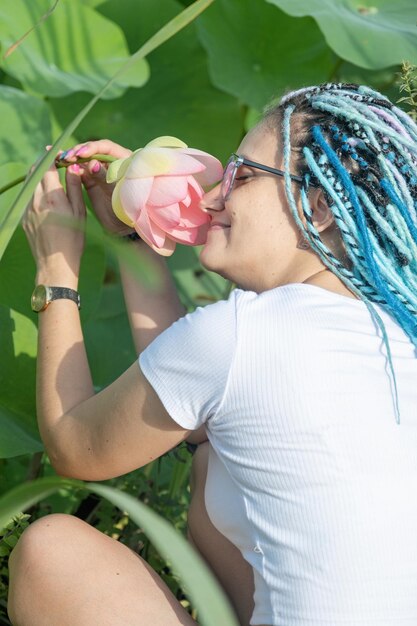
[104, 158]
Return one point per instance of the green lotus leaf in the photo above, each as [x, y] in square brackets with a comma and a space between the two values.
[18, 342]
[14, 438]
[370, 33]
[179, 99]
[256, 52]
[64, 53]
[26, 127]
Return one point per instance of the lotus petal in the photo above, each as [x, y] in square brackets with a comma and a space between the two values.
[213, 172]
[118, 207]
[162, 162]
[186, 236]
[165, 217]
[167, 141]
[117, 169]
[167, 190]
[134, 195]
[150, 230]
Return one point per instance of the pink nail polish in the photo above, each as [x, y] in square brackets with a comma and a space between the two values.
[75, 169]
[96, 167]
[81, 150]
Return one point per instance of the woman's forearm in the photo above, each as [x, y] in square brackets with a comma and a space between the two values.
[63, 377]
[150, 312]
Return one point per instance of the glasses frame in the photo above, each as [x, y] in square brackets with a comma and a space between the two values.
[239, 160]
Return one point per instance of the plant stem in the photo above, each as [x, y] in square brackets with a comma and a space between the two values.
[104, 158]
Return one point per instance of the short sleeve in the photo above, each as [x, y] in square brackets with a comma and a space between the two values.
[188, 364]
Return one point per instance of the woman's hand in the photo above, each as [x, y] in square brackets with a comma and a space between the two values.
[93, 175]
[57, 246]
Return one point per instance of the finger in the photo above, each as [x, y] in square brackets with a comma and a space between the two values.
[74, 190]
[50, 181]
[32, 212]
[96, 169]
[93, 173]
[102, 146]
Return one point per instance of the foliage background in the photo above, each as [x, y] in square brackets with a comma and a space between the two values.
[207, 86]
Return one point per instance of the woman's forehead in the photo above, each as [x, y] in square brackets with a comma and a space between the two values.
[259, 144]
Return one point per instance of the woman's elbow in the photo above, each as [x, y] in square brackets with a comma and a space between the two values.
[70, 467]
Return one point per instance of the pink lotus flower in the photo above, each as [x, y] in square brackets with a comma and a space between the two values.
[158, 190]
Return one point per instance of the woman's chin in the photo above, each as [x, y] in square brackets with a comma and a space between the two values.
[210, 259]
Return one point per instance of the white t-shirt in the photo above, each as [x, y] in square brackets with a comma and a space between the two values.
[309, 473]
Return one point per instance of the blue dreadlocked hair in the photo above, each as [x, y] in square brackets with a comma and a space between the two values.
[362, 151]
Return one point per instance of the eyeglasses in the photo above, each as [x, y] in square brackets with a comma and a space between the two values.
[233, 165]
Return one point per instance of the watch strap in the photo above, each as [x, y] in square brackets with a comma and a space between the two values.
[57, 293]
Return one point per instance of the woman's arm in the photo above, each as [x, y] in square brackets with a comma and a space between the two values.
[87, 436]
[149, 311]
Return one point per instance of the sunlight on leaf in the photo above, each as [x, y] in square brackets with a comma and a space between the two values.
[64, 55]
[372, 34]
[14, 46]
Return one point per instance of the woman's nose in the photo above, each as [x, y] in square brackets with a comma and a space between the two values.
[212, 200]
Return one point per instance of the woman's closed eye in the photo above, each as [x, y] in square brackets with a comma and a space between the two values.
[244, 174]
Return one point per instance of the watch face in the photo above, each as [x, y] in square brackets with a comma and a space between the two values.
[39, 298]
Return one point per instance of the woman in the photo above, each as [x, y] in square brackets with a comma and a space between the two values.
[303, 381]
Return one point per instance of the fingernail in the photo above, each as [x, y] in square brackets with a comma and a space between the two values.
[81, 150]
[96, 167]
[75, 169]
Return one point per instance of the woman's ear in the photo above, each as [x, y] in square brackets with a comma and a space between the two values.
[321, 214]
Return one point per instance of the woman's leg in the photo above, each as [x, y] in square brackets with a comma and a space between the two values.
[232, 571]
[64, 572]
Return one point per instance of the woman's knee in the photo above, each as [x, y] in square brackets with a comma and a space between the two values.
[39, 553]
[38, 541]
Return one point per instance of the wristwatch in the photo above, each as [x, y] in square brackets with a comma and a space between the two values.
[43, 295]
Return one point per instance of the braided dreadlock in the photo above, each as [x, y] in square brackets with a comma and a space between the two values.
[362, 151]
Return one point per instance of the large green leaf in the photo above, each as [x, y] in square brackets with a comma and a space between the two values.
[26, 495]
[179, 100]
[14, 438]
[13, 215]
[25, 128]
[369, 33]
[109, 332]
[18, 343]
[256, 52]
[17, 275]
[205, 593]
[64, 54]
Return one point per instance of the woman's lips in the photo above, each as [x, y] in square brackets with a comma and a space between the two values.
[218, 226]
